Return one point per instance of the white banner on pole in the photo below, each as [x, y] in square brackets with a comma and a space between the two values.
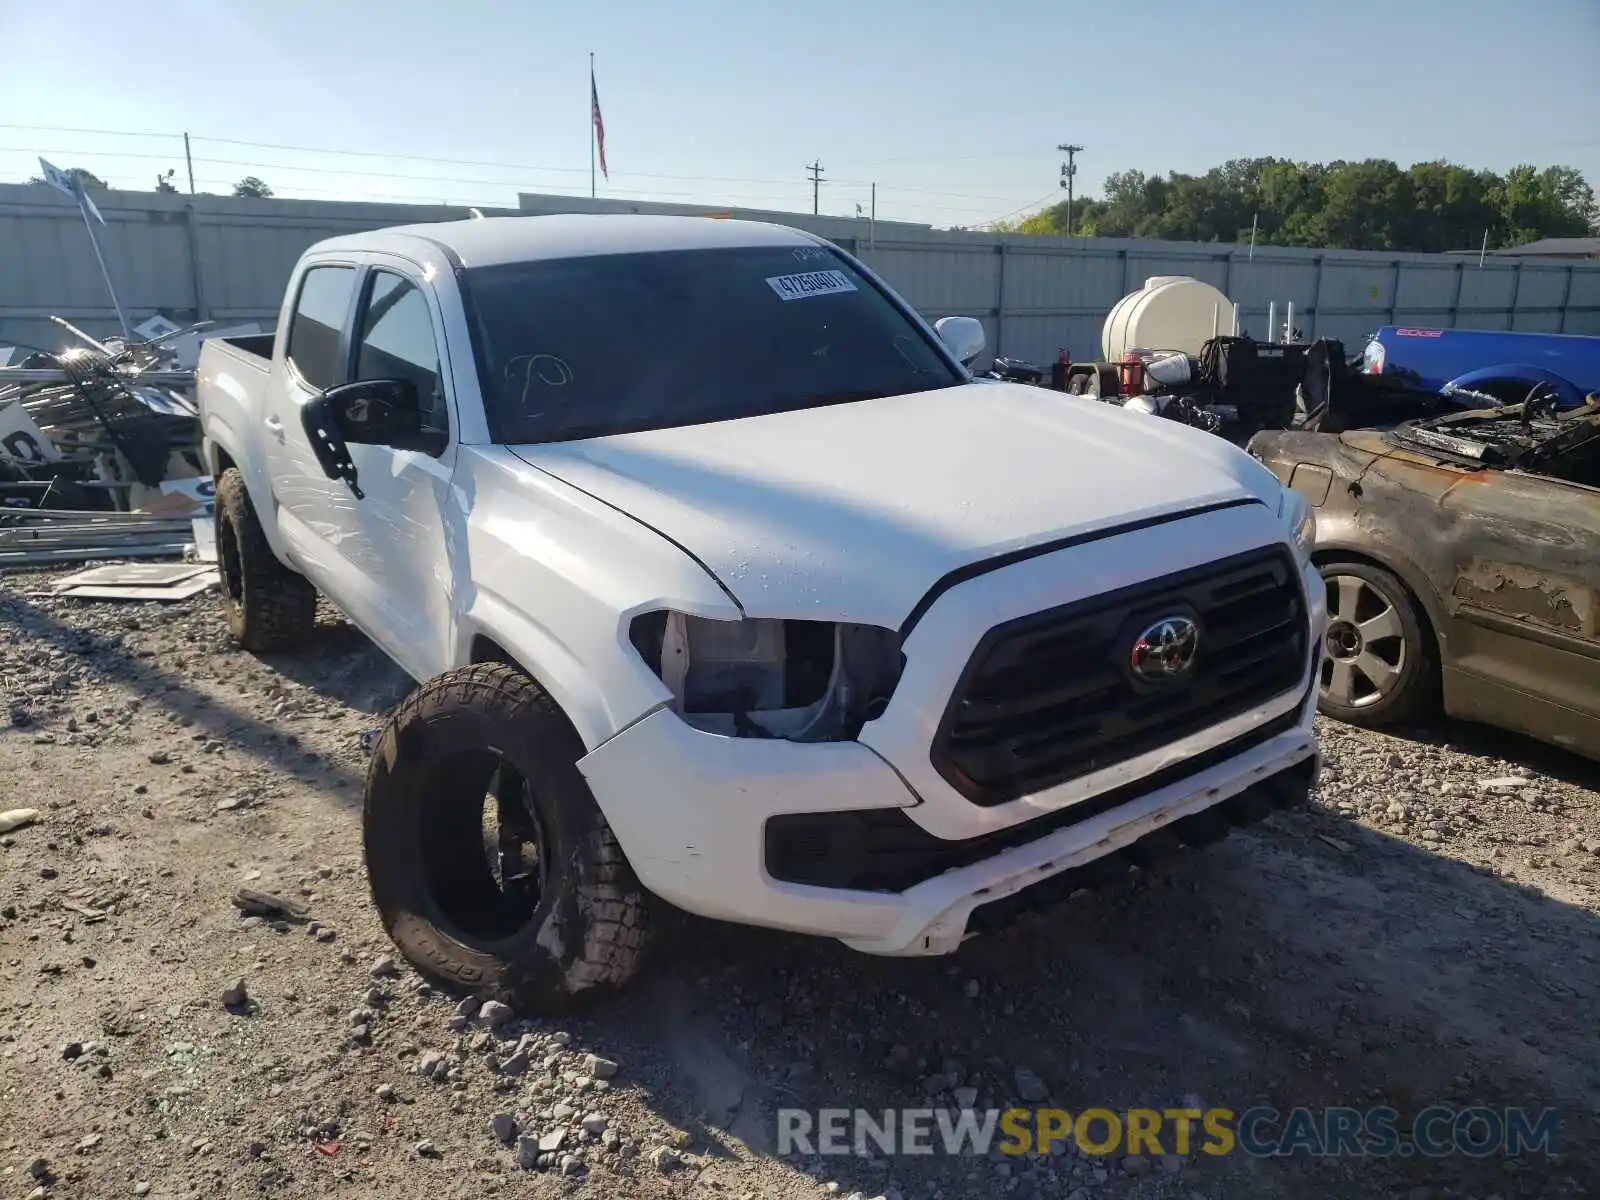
[21, 440]
[59, 179]
[67, 182]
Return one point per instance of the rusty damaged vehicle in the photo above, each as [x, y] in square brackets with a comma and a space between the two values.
[1462, 559]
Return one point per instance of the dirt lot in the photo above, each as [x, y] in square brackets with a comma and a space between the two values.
[1413, 936]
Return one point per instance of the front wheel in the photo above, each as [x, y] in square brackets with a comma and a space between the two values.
[1380, 668]
[490, 864]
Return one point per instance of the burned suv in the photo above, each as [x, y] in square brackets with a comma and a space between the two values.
[1461, 555]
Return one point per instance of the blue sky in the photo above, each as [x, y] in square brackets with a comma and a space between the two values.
[954, 108]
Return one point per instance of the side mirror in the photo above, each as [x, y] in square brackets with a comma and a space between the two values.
[369, 412]
[962, 336]
[382, 412]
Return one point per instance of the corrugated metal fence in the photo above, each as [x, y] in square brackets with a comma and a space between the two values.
[191, 257]
[228, 259]
[1036, 295]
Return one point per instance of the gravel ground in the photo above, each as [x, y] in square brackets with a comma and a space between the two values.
[1425, 931]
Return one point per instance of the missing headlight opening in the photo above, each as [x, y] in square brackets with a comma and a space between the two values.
[806, 681]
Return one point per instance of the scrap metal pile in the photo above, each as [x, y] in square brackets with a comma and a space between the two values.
[1532, 437]
[100, 449]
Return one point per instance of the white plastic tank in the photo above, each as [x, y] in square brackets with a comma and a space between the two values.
[1171, 312]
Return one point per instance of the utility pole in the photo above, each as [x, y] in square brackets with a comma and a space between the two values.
[1068, 170]
[815, 168]
[189, 159]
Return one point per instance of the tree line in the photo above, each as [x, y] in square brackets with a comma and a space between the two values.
[1370, 205]
[249, 187]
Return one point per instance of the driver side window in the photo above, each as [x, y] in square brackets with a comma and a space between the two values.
[396, 341]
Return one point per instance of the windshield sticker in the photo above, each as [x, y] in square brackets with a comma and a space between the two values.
[812, 283]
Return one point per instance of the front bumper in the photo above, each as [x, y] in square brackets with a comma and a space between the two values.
[690, 810]
[699, 815]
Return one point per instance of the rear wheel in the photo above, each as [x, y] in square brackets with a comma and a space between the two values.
[1380, 668]
[266, 605]
[490, 864]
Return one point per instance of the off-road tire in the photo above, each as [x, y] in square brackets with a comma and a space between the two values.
[589, 930]
[1415, 695]
[267, 606]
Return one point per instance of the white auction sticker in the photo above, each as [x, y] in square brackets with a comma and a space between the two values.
[21, 440]
[812, 283]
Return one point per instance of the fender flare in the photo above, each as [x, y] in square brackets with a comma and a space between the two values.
[551, 664]
[1524, 374]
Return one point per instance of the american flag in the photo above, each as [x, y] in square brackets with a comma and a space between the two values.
[599, 125]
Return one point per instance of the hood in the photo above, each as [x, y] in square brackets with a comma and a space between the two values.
[851, 512]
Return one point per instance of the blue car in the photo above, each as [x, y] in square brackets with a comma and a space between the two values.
[1488, 362]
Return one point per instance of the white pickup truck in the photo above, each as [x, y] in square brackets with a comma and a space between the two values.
[726, 585]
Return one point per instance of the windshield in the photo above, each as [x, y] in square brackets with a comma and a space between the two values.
[583, 347]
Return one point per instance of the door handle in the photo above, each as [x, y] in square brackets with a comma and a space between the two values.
[275, 427]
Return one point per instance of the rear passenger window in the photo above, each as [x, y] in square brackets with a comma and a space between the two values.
[319, 315]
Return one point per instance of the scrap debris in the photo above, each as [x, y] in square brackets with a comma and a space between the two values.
[40, 536]
[1531, 436]
[138, 581]
[100, 449]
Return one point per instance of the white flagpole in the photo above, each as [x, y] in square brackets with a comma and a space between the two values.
[592, 131]
[105, 271]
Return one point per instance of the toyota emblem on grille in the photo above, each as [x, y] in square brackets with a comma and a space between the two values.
[1166, 650]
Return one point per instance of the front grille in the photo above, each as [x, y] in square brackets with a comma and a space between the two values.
[1051, 697]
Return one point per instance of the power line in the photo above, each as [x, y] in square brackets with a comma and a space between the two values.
[90, 153]
[325, 170]
[433, 198]
[1521, 146]
[295, 187]
[452, 162]
[814, 169]
[104, 132]
[884, 162]
[322, 169]
[467, 162]
[1022, 208]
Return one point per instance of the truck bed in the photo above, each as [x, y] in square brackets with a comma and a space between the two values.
[231, 381]
[250, 345]
[245, 357]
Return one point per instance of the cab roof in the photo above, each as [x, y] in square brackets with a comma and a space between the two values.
[492, 241]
